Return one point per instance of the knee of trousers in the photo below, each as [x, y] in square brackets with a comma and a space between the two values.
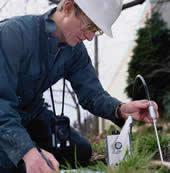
[83, 152]
[78, 154]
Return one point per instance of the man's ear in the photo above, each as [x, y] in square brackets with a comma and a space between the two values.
[68, 7]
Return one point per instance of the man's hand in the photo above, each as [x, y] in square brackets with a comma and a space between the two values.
[139, 109]
[36, 164]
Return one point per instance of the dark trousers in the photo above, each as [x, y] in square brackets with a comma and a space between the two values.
[39, 129]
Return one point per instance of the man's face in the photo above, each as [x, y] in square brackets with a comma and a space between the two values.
[76, 26]
[72, 31]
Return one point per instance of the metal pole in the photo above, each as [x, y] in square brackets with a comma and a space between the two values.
[96, 63]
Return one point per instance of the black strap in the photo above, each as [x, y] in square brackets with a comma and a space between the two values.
[63, 97]
[52, 100]
[62, 110]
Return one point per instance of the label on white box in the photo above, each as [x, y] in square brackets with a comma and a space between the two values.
[115, 150]
[117, 145]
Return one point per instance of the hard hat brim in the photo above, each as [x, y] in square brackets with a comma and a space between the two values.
[109, 33]
[110, 7]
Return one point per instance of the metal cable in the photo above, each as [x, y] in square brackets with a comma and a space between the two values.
[151, 110]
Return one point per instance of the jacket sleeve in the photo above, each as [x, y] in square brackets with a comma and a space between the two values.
[88, 88]
[14, 139]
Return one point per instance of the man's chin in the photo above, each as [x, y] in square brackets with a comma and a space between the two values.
[72, 44]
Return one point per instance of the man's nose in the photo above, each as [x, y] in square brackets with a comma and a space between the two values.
[89, 36]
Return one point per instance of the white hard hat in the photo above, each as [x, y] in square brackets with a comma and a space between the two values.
[102, 12]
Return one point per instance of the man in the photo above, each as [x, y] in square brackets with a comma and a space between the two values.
[37, 51]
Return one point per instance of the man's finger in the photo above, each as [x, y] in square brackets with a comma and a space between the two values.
[54, 162]
[143, 104]
[148, 120]
[55, 172]
[155, 105]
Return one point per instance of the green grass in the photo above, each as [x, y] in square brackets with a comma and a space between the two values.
[145, 149]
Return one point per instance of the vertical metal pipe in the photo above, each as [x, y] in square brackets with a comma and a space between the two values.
[96, 63]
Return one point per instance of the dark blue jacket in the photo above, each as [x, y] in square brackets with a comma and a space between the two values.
[29, 54]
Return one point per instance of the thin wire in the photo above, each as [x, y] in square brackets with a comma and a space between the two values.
[151, 109]
[159, 147]
[144, 84]
[151, 106]
[133, 97]
[62, 111]
[52, 100]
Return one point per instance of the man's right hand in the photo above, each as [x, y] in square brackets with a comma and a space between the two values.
[36, 164]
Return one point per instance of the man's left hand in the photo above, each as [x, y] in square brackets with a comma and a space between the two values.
[139, 110]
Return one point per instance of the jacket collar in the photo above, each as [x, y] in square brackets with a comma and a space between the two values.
[50, 25]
